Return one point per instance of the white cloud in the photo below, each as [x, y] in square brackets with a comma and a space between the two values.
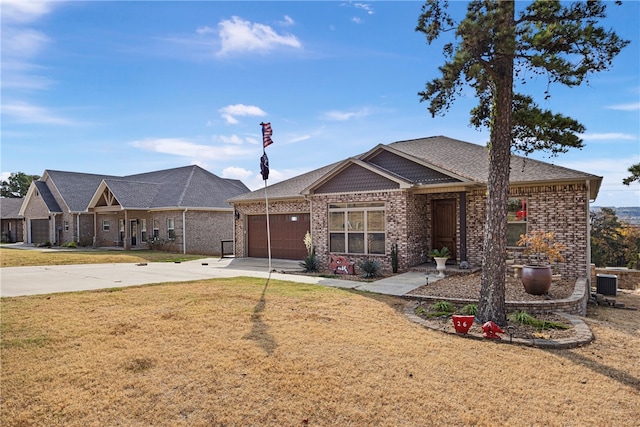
[28, 113]
[234, 172]
[186, 148]
[607, 136]
[233, 139]
[23, 43]
[346, 115]
[366, 7]
[356, 20]
[230, 112]
[238, 35]
[287, 21]
[23, 11]
[634, 106]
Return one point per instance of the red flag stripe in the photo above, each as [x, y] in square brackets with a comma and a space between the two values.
[266, 134]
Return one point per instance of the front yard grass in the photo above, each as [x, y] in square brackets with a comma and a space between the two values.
[23, 257]
[249, 351]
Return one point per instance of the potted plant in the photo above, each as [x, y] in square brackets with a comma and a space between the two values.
[441, 256]
[542, 251]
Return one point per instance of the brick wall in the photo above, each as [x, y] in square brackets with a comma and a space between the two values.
[627, 279]
[559, 208]
[205, 230]
[562, 209]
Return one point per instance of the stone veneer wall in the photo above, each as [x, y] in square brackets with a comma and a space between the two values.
[627, 279]
[562, 209]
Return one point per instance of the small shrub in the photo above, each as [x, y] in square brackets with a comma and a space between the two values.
[443, 306]
[371, 268]
[73, 245]
[469, 309]
[527, 319]
[310, 263]
[440, 253]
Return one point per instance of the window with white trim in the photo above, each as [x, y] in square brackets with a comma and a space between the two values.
[357, 228]
[156, 229]
[171, 229]
[516, 220]
[105, 225]
[143, 229]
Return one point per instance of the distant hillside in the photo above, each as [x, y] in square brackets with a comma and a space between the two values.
[630, 214]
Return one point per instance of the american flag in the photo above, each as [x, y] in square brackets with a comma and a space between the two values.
[266, 134]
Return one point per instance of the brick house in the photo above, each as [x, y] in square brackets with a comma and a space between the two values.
[180, 210]
[11, 223]
[418, 194]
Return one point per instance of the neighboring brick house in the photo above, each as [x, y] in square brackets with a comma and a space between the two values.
[419, 194]
[11, 223]
[181, 210]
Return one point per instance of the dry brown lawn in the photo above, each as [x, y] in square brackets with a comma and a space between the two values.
[22, 257]
[254, 352]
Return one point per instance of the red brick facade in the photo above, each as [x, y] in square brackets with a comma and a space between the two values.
[563, 209]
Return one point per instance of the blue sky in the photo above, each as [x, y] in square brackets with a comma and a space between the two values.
[119, 88]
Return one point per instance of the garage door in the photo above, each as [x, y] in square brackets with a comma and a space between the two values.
[287, 235]
[39, 230]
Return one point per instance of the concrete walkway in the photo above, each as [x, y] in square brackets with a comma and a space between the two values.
[19, 281]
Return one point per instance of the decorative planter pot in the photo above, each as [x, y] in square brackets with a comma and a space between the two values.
[440, 265]
[536, 279]
[462, 323]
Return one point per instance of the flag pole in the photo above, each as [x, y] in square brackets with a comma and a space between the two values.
[264, 170]
[266, 202]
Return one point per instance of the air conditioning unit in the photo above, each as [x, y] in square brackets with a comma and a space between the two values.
[607, 284]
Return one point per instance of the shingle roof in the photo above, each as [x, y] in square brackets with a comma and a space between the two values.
[10, 207]
[184, 187]
[432, 161]
[289, 188]
[47, 196]
[76, 188]
[472, 161]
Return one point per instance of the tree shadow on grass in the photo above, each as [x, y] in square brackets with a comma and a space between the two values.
[260, 330]
[600, 368]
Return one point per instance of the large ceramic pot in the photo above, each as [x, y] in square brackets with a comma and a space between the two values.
[536, 279]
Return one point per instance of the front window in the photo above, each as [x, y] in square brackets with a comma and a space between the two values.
[143, 229]
[156, 229]
[66, 226]
[121, 229]
[105, 225]
[357, 228]
[516, 220]
[171, 231]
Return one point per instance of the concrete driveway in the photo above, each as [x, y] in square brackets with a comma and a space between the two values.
[20, 281]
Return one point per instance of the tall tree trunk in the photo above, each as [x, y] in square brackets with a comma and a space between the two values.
[492, 294]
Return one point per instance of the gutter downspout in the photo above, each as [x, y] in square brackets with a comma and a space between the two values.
[78, 229]
[588, 232]
[588, 257]
[184, 231]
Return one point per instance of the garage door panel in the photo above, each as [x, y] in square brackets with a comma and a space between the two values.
[287, 235]
[39, 230]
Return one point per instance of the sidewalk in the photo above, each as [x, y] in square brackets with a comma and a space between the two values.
[19, 281]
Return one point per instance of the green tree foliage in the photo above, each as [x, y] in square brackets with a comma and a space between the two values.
[17, 184]
[635, 174]
[613, 243]
[493, 51]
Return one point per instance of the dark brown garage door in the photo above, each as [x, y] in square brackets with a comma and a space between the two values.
[287, 235]
[39, 230]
